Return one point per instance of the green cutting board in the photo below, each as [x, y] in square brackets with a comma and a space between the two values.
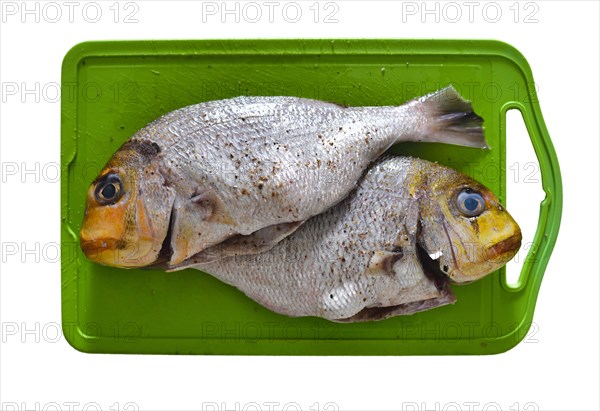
[112, 89]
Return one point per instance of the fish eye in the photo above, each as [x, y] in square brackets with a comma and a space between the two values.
[109, 189]
[470, 203]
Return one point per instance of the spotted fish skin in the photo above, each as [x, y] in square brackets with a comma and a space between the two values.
[262, 161]
[238, 166]
[390, 248]
[357, 261]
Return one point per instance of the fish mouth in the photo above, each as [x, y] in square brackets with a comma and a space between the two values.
[114, 252]
[92, 248]
[505, 248]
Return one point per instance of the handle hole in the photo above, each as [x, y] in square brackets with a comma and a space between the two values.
[523, 189]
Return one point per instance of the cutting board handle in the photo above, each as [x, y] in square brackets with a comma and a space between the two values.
[550, 211]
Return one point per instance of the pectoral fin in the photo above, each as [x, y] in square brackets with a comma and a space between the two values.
[401, 266]
[382, 262]
[255, 243]
[210, 208]
[191, 227]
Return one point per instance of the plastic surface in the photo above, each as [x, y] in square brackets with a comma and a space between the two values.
[112, 89]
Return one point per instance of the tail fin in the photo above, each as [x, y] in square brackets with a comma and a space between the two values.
[451, 119]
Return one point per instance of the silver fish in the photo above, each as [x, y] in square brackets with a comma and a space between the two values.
[391, 248]
[253, 167]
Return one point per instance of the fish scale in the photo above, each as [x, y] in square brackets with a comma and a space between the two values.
[334, 283]
[367, 258]
[248, 192]
[260, 166]
[249, 179]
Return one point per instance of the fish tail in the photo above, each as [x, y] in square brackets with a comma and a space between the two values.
[451, 119]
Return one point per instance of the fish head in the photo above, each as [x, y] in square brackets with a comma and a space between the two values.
[464, 227]
[128, 209]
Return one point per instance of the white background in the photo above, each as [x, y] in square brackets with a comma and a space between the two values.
[557, 369]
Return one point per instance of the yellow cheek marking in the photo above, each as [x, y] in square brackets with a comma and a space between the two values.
[103, 222]
[495, 226]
